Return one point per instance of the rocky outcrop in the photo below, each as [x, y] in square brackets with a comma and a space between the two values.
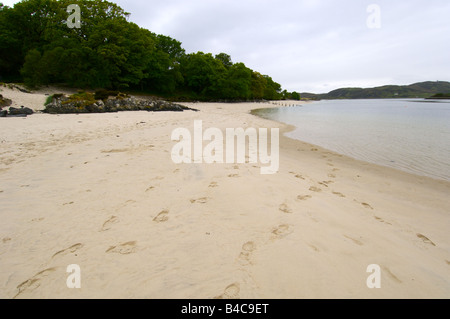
[16, 112]
[4, 101]
[86, 103]
[20, 111]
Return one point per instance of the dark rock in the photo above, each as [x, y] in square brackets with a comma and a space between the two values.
[3, 113]
[4, 101]
[17, 115]
[121, 102]
[22, 111]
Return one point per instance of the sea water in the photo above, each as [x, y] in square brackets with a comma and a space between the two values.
[412, 135]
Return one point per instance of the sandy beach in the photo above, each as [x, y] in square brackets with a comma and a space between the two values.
[101, 191]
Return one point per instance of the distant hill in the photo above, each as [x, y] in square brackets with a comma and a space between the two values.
[416, 90]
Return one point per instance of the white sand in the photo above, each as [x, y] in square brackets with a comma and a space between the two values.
[101, 191]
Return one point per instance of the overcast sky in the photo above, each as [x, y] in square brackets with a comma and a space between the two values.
[311, 45]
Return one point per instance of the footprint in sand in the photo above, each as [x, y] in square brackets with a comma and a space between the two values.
[123, 249]
[338, 194]
[34, 282]
[69, 203]
[162, 217]
[314, 247]
[249, 246]
[285, 209]
[116, 150]
[230, 292]
[367, 205]
[6, 239]
[149, 189]
[281, 231]
[71, 250]
[331, 176]
[304, 197]
[213, 184]
[246, 252]
[233, 175]
[356, 241]
[425, 239]
[381, 220]
[312, 216]
[325, 183]
[391, 275]
[108, 224]
[299, 176]
[202, 200]
[315, 189]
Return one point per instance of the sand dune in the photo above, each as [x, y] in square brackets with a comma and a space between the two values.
[101, 191]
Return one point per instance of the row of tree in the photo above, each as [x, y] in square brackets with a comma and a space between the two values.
[38, 46]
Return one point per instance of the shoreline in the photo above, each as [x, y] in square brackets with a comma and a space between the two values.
[293, 127]
[100, 191]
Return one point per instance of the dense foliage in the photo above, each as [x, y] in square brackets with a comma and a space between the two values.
[108, 51]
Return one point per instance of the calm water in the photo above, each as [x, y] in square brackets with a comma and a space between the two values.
[411, 135]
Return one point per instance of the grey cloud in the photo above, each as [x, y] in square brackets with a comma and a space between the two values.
[314, 45]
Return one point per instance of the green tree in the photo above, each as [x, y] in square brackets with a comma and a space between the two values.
[258, 85]
[170, 46]
[163, 67]
[108, 51]
[225, 59]
[272, 90]
[202, 73]
[295, 96]
[237, 84]
[32, 70]
[11, 45]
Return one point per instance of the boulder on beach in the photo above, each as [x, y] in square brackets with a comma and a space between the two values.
[20, 111]
[4, 101]
[84, 102]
